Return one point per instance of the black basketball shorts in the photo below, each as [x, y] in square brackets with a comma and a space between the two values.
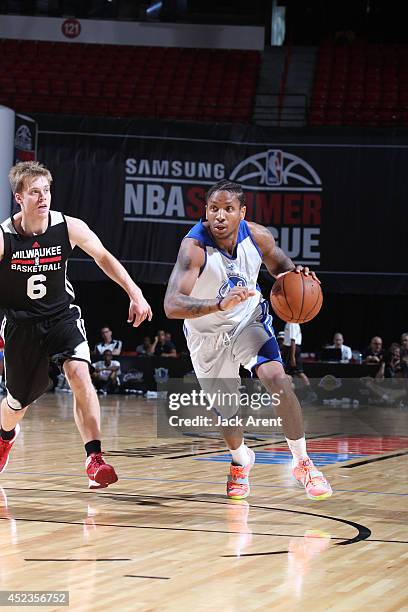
[29, 347]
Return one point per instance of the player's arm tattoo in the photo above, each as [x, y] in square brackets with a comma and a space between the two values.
[273, 257]
[197, 308]
[279, 262]
[178, 304]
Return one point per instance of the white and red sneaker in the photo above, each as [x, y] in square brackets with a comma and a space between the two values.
[100, 474]
[5, 448]
[308, 476]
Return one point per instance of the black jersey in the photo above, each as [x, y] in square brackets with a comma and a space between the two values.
[33, 279]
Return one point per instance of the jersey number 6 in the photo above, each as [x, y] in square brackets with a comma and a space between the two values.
[35, 286]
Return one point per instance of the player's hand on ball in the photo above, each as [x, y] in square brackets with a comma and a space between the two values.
[139, 310]
[234, 297]
[305, 270]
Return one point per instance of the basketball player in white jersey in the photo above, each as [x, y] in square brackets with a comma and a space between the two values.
[213, 287]
[41, 321]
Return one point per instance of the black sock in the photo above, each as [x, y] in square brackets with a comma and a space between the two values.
[94, 446]
[7, 435]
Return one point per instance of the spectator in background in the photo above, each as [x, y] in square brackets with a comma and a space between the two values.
[404, 347]
[338, 343]
[374, 352]
[167, 337]
[108, 343]
[393, 366]
[146, 347]
[161, 348]
[105, 377]
[280, 338]
[291, 355]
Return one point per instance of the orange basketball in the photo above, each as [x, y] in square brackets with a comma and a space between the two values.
[296, 298]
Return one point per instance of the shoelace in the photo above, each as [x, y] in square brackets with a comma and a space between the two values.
[306, 468]
[97, 458]
[316, 479]
[238, 471]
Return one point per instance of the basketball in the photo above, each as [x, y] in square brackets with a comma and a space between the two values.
[296, 298]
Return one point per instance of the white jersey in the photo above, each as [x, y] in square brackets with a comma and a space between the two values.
[220, 273]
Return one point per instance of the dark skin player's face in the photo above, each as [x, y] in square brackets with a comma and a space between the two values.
[224, 215]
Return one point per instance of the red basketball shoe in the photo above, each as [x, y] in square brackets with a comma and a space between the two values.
[5, 448]
[100, 474]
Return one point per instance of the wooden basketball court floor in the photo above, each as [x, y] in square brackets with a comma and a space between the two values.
[166, 538]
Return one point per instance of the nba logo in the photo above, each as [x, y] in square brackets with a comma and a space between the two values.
[274, 167]
[37, 261]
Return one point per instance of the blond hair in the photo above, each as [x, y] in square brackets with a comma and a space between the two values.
[24, 171]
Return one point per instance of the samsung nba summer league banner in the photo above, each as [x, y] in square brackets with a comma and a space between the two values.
[333, 200]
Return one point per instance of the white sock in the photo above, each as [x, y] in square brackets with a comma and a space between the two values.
[240, 455]
[298, 449]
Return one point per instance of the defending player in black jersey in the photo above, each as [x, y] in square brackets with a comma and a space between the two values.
[41, 322]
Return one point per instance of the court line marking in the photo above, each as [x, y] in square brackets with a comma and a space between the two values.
[190, 530]
[110, 525]
[223, 451]
[266, 443]
[389, 541]
[212, 482]
[262, 554]
[281, 552]
[363, 532]
[69, 560]
[219, 531]
[382, 458]
[152, 577]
